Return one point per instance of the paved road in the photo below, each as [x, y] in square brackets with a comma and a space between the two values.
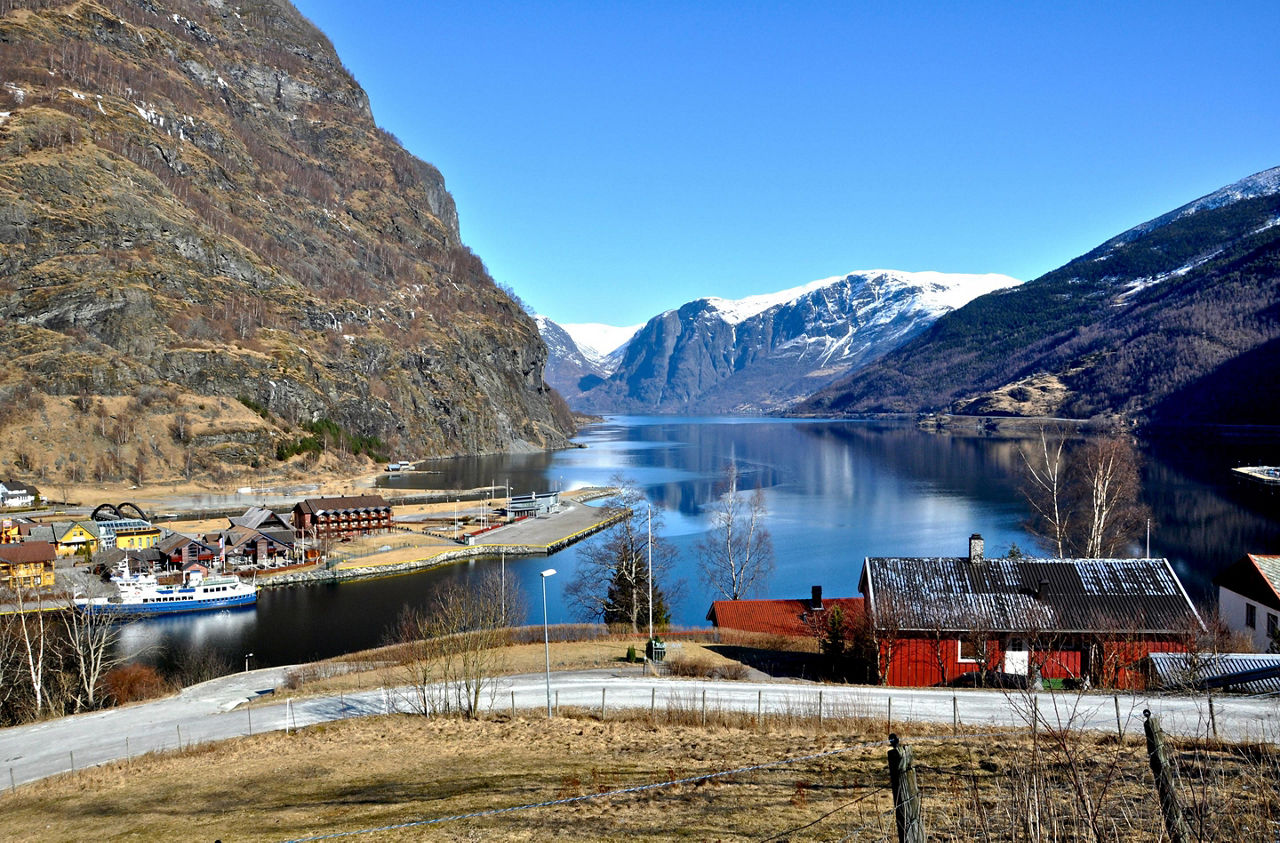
[215, 711]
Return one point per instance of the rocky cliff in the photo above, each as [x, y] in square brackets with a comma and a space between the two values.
[194, 197]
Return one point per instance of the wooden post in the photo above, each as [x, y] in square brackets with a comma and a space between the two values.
[513, 706]
[759, 708]
[602, 690]
[1119, 725]
[72, 753]
[819, 709]
[1213, 719]
[13, 784]
[955, 716]
[1035, 719]
[653, 705]
[704, 706]
[178, 726]
[906, 795]
[249, 711]
[889, 717]
[1162, 770]
[128, 756]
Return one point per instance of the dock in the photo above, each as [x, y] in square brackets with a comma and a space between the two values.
[1266, 476]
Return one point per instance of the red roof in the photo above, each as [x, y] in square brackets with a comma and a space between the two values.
[774, 617]
[21, 554]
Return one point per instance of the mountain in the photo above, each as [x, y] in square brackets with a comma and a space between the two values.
[196, 204]
[765, 352]
[1173, 320]
[604, 345]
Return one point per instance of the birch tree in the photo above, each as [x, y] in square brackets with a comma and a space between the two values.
[1105, 477]
[1044, 487]
[736, 558]
[90, 644]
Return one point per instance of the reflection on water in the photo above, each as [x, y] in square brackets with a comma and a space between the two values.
[836, 492]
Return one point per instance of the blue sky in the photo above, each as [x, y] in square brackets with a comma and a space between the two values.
[611, 160]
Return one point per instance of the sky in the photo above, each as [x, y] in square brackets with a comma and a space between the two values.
[612, 160]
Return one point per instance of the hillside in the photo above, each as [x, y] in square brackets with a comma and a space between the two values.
[1173, 320]
[196, 204]
[764, 353]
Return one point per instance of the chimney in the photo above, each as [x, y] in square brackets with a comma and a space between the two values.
[1042, 589]
[975, 548]
[816, 602]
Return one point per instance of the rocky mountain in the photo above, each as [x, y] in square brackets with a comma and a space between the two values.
[764, 353]
[1173, 320]
[569, 371]
[195, 201]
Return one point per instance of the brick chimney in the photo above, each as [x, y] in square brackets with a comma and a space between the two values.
[815, 603]
[975, 548]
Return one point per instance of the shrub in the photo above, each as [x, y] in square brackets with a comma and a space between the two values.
[133, 682]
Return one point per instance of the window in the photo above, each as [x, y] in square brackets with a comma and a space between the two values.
[1272, 620]
[1251, 616]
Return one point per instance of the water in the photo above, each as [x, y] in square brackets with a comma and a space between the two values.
[836, 492]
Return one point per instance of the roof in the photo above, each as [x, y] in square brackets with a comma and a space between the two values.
[175, 541]
[775, 617]
[28, 551]
[1178, 670]
[1254, 576]
[256, 516]
[1028, 594]
[313, 505]
[15, 486]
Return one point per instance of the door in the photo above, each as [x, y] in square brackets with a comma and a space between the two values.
[1017, 659]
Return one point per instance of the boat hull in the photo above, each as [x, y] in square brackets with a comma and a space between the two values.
[210, 604]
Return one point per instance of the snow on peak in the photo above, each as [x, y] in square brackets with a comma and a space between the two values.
[938, 291]
[596, 340]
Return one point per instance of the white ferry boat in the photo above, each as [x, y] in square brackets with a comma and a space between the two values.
[140, 594]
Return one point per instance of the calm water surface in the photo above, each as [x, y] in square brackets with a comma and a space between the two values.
[836, 492]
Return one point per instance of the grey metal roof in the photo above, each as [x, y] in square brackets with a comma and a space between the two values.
[1028, 595]
[1180, 670]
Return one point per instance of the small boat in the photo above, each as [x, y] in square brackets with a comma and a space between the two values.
[140, 594]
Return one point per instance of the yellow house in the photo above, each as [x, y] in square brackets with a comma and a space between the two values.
[72, 537]
[27, 565]
[9, 532]
[138, 537]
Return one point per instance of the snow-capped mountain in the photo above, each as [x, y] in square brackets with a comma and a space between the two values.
[766, 352]
[1173, 320]
[599, 343]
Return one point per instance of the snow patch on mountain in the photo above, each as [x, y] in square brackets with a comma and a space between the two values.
[1264, 183]
[598, 342]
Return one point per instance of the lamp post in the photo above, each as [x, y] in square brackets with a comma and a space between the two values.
[247, 656]
[546, 636]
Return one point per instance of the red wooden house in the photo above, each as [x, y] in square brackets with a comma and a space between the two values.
[795, 618]
[355, 515]
[937, 618]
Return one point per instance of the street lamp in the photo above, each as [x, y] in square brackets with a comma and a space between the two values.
[247, 656]
[546, 636]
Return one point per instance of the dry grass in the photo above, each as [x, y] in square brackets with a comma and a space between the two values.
[385, 771]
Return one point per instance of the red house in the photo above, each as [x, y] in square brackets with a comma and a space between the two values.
[354, 515]
[795, 618]
[937, 618]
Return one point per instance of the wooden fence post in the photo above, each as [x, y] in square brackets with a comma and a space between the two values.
[513, 705]
[1213, 719]
[759, 708]
[704, 706]
[1119, 725]
[653, 705]
[955, 716]
[602, 690]
[1162, 770]
[906, 794]
[889, 717]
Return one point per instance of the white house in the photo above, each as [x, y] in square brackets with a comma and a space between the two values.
[1249, 597]
[13, 493]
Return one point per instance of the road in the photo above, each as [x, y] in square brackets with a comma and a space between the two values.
[215, 711]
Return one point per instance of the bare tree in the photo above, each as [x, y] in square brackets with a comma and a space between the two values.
[90, 642]
[1043, 485]
[33, 640]
[457, 645]
[736, 558]
[612, 581]
[1105, 476]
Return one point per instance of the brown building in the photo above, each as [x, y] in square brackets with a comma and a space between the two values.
[27, 565]
[355, 515]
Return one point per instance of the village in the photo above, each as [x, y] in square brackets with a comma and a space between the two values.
[917, 622]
